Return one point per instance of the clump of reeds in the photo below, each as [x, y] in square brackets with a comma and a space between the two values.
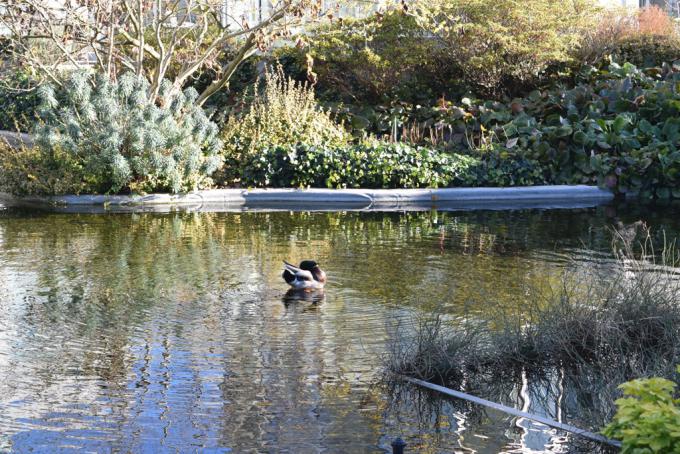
[597, 329]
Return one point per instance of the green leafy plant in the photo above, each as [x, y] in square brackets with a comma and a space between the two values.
[504, 45]
[504, 168]
[30, 171]
[377, 164]
[647, 419]
[374, 165]
[18, 101]
[645, 50]
[123, 141]
[282, 112]
[444, 47]
[618, 128]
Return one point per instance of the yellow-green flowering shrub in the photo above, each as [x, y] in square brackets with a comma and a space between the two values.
[282, 113]
[437, 48]
[370, 60]
[30, 171]
[648, 417]
[506, 45]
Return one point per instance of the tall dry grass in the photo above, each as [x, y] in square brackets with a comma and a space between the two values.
[653, 20]
[618, 26]
[594, 330]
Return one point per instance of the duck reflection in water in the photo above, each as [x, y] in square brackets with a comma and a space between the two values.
[312, 297]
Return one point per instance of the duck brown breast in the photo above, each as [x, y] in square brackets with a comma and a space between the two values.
[318, 274]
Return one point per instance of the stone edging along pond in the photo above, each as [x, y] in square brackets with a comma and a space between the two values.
[330, 199]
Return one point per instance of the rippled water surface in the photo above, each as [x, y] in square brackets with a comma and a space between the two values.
[173, 332]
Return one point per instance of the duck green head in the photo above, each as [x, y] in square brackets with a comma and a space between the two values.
[308, 265]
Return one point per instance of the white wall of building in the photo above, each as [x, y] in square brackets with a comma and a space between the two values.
[620, 3]
[255, 10]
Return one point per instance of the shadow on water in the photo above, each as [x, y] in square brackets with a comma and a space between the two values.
[310, 297]
[169, 332]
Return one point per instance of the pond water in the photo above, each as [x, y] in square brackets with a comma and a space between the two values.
[173, 332]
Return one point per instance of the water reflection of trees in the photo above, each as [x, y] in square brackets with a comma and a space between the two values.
[462, 425]
[107, 270]
[136, 299]
[151, 256]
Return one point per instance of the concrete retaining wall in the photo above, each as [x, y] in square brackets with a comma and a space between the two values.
[331, 199]
[16, 139]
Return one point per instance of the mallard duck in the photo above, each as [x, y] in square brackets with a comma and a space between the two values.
[306, 276]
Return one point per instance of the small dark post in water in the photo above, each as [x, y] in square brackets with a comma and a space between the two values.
[398, 446]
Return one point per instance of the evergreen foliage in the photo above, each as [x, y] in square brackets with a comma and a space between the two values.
[30, 171]
[375, 59]
[378, 164]
[123, 141]
[371, 165]
[445, 47]
[506, 46]
[18, 101]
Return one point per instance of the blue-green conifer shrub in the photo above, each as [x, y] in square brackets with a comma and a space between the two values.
[127, 139]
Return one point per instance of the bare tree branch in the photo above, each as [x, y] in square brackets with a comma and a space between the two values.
[157, 39]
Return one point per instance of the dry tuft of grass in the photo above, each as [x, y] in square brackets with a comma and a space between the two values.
[653, 20]
[620, 323]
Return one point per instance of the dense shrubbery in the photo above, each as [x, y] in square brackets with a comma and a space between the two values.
[450, 48]
[506, 46]
[30, 171]
[283, 139]
[645, 50]
[382, 165]
[378, 165]
[618, 128]
[370, 60]
[386, 80]
[503, 168]
[611, 127]
[220, 105]
[121, 140]
[646, 37]
[445, 48]
[18, 102]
